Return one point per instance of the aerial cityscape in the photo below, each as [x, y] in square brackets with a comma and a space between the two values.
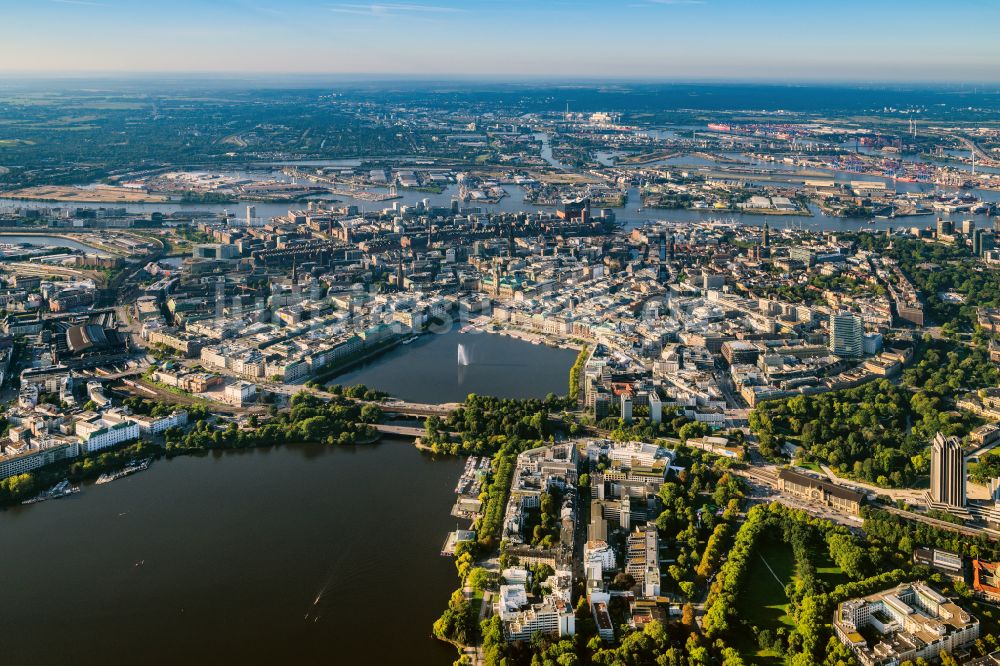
[401, 333]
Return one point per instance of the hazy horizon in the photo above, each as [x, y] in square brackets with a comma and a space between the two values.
[320, 78]
[644, 40]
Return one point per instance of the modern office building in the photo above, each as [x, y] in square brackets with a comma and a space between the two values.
[951, 565]
[521, 617]
[846, 334]
[909, 622]
[154, 425]
[21, 457]
[626, 408]
[982, 242]
[655, 407]
[642, 560]
[100, 431]
[947, 471]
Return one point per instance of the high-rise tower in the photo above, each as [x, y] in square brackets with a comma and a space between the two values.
[947, 471]
[846, 334]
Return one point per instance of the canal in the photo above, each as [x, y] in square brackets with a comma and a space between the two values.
[293, 555]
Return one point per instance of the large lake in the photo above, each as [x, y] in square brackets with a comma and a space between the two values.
[295, 555]
[428, 369]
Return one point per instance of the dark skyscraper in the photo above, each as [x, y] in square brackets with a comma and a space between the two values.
[947, 471]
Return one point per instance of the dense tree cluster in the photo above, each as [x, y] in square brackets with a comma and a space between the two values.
[355, 391]
[484, 424]
[987, 469]
[545, 533]
[156, 408]
[808, 595]
[720, 609]
[458, 623]
[576, 372]
[879, 432]
[896, 535]
[488, 525]
[935, 269]
[310, 420]
[699, 508]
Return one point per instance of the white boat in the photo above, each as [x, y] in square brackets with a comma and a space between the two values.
[61, 489]
[131, 468]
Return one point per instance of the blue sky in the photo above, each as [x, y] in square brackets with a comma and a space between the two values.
[875, 40]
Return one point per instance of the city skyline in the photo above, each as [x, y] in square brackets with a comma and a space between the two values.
[644, 39]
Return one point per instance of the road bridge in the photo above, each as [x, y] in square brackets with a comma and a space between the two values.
[402, 431]
[417, 408]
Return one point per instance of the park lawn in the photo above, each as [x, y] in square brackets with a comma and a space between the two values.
[827, 570]
[746, 644]
[763, 601]
[477, 605]
[764, 598]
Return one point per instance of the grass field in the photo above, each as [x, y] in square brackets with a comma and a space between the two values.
[99, 194]
[827, 570]
[763, 603]
[763, 600]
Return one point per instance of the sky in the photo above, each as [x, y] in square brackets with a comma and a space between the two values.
[944, 41]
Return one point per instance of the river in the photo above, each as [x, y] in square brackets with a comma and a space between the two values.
[631, 215]
[219, 560]
[428, 369]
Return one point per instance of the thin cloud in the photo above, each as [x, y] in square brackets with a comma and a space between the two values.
[82, 3]
[384, 10]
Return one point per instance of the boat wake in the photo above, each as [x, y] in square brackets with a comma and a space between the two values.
[339, 583]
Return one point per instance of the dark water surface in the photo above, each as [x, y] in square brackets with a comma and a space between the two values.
[295, 555]
[428, 369]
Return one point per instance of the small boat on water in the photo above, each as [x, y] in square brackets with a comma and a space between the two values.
[409, 340]
[133, 467]
[61, 489]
